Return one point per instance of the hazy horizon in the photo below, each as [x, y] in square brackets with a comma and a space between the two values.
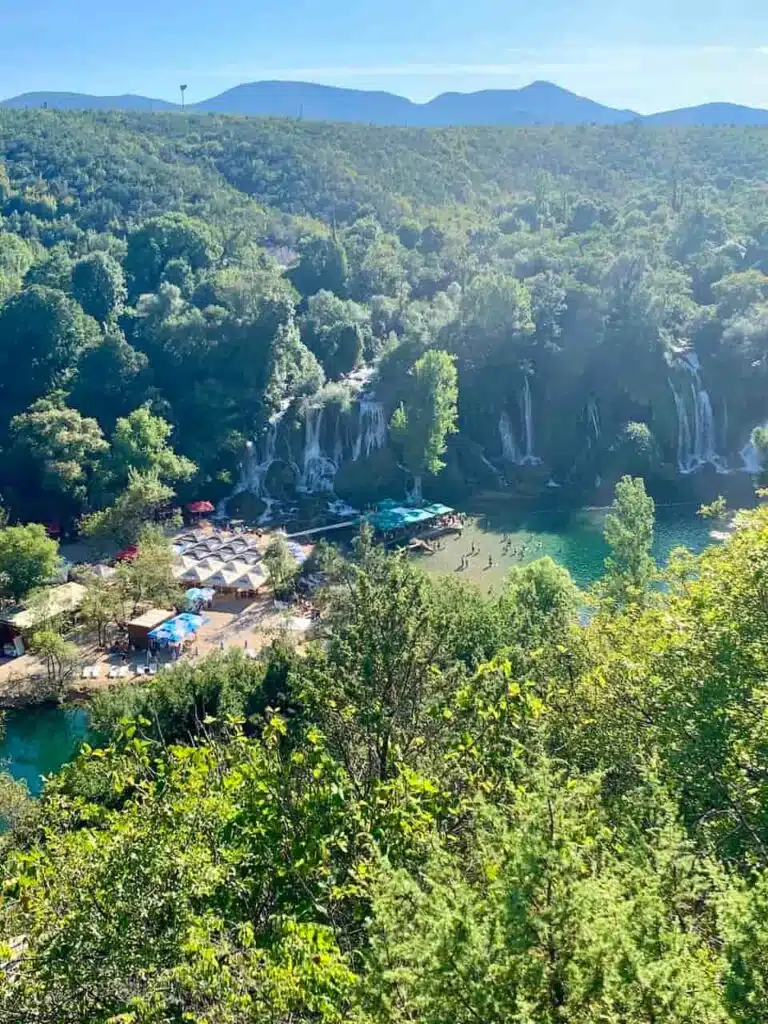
[669, 54]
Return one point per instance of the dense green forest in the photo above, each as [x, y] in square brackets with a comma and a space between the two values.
[449, 808]
[539, 807]
[601, 293]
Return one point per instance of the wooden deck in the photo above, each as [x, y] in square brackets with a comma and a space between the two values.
[323, 529]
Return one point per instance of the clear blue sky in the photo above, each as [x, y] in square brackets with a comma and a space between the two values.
[647, 54]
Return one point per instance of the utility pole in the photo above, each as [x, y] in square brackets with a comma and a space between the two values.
[183, 89]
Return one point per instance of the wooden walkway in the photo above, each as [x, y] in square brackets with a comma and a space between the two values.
[324, 529]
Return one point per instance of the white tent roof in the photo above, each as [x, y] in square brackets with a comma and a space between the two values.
[237, 566]
[211, 543]
[194, 575]
[210, 565]
[251, 580]
[250, 555]
[222, 579]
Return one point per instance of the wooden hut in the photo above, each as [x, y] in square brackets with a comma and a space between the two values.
[140, 627]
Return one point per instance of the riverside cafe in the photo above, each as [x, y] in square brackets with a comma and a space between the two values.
[176, 632]
[398, 522]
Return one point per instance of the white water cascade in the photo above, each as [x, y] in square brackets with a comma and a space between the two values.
[256, 465]
[372, 428]
[529, 459]
[317, 471]
[413, 494]
[696, 438]
[509, 446]
[593, 420]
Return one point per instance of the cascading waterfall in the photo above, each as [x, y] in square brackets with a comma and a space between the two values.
[593, 420]
[413, 494]
[696, 436]
[509, 447]
[318, 471]
[684, 444]
[372, 428]
[256, 466]
[529, 459]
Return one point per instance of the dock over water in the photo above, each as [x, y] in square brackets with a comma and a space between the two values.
[324, 529]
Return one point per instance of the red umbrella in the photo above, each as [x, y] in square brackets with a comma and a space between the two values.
[200, 506]
[127, 554]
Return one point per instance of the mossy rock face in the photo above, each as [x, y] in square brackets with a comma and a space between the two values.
[281, 480]
[371, 479]
[245, 506]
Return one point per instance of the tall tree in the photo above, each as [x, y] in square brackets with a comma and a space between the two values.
[322, 266]
[98, 284]
[140, 443]
[422, 423]
[122, 522]
[159, 240]
[53, 457]
[630, 568]
[44, 332]
[28, 557]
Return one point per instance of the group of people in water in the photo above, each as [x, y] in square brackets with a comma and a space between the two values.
[517, 551]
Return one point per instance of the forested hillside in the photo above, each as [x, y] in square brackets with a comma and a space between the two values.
[602, 293]
[538, 807]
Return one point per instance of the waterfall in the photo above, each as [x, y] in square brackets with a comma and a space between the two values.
[684, 445]
[593, 420]
[254, 469]
[413, 494]
[338, 448]
[372, 428]
[696, 436]
[529, 459]
[318, 471]
[509, 448]
[256, 466]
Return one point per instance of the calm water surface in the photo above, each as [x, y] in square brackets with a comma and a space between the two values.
[39, 740]
[572, 538]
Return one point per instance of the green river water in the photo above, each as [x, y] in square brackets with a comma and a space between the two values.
[572, 538]
[38, 740]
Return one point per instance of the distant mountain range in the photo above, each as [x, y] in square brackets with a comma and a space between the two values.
[537, 103]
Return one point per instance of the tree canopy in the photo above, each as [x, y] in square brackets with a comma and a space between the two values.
[448, 807]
